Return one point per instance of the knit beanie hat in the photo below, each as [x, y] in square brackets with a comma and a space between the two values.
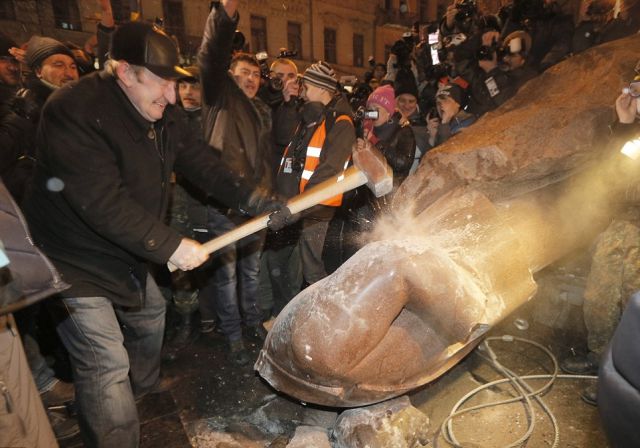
[5, 43]
[405, 83]
[384, 97]
[40, 48]
[321, 75]
[456, 92]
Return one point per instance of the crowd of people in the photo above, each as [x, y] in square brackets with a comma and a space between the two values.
[124, 169]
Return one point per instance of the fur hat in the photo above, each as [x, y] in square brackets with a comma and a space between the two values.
[321, 75]
[40, 48]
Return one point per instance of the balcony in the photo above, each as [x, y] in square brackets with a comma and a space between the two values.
[395, 17]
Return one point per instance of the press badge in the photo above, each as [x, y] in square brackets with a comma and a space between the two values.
[288, 165]
[492, 86]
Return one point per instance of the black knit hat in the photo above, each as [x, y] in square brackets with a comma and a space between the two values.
[148, 46]
[405, 83]
[321, 75]
[457, 93]
[5, 43]
[40, 48]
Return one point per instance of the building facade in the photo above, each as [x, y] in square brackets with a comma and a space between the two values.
[344, 33]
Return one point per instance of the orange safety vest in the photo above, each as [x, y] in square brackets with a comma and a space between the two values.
[312, 159]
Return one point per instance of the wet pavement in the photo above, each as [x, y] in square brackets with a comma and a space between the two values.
[218, 405]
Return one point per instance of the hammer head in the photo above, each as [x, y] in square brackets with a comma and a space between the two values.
[370, 161]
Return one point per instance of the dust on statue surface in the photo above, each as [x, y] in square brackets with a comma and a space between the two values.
[490, 207]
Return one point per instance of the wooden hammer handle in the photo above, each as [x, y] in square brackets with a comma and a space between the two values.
[352, 178]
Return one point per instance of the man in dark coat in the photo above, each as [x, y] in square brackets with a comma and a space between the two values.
[9, 71]
[238, 124]
[107, 146]
[52, 65]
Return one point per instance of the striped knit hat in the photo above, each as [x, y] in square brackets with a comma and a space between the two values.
[321, 75]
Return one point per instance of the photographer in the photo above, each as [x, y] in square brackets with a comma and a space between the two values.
[401, 60]
[598, 23]
[515, 51]
[459, 18]
[278, 83]
[489, 86]
[551, 31]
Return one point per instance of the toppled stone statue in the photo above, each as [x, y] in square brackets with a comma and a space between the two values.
[525, 185]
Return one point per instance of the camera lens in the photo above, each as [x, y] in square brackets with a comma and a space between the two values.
[634, 89]
[276, 84]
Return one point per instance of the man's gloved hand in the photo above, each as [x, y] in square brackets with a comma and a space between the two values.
[25, 107]
[260, 202]
[282, 218]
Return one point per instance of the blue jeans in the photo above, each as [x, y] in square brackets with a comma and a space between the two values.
[115, 355]
[231, 279]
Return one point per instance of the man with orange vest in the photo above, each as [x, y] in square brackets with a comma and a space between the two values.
[321, 137]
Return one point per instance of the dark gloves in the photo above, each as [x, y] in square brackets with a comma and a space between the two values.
[25, 107]
[281, 219]
[259, 202]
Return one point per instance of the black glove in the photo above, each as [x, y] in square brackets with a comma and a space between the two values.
[280, 219]
[260, 202]
[25, 107]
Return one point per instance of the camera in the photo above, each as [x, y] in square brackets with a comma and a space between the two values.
[466, 9]
[486, 52]
[360, 116]
[238, 42]
[366, 114]
[633, 89]
[402, 49]
[287, 54]
[273, 84]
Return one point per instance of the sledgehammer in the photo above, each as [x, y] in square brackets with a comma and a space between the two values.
[370, 167]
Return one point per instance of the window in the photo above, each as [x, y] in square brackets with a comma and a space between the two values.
[66, 15]
[7, 11]
[174, 19]
[294, 38]
[424, 10]
[330, 45]
[258, 33]
[121, 10]
[358, 50]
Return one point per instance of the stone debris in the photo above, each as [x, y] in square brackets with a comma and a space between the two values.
[310, 436]
[391, 424]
